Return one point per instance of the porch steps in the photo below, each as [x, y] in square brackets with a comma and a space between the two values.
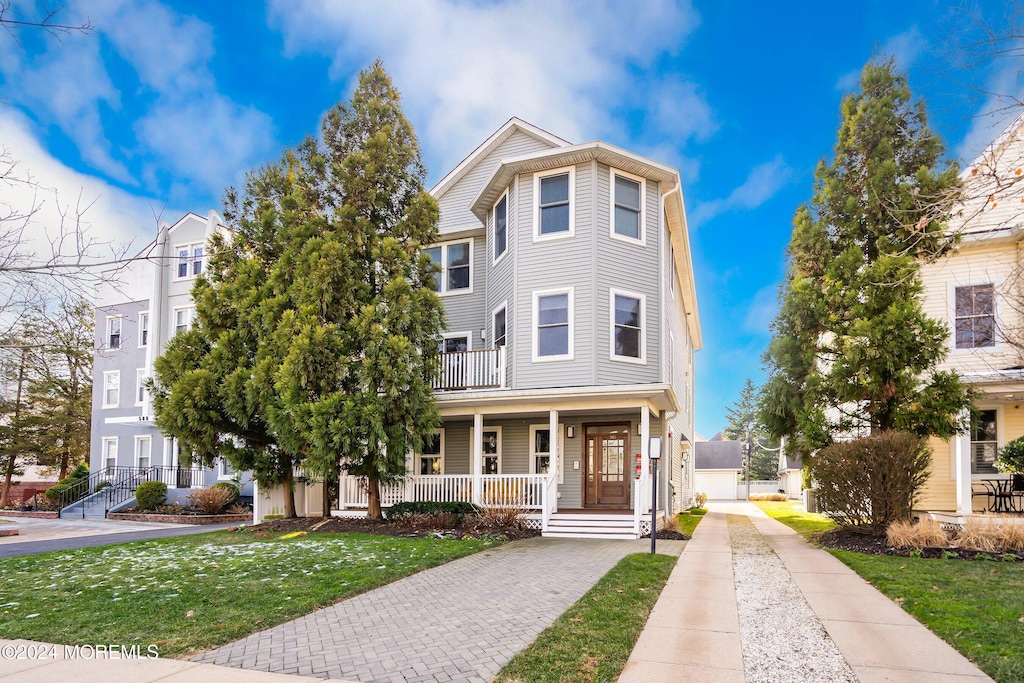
[591, 525]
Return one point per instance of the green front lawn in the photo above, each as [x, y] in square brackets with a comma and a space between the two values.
[791, 514]
[688, 522]
[593, 639]
[195, 592]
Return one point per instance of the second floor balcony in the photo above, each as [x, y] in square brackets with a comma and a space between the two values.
[464, 370]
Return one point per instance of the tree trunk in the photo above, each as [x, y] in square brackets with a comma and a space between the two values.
[8, 475]
[327, 498]
[373, 509]
[13, 457]
[289, 494]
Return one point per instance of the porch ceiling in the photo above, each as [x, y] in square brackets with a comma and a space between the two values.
[569, 400]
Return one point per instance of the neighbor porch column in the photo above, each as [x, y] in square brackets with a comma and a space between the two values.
[962, 473]
[555, 461]
[477, 459]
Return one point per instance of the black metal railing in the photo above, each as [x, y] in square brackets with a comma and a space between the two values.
[117, 484]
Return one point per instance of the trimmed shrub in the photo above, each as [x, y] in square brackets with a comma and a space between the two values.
[400, 510]
[53, 493]
[698, 511]
[869, 483]
[81, 471]
[211, 500]
[150, 494]
[700, 498]
[102, 485]
[232, 489]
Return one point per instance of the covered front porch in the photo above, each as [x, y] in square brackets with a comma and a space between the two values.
[593, 478]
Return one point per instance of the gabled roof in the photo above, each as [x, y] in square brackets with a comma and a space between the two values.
[512, 126]
[718, 455]
[992, 147]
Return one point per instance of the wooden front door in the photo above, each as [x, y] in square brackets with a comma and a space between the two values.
[608, 476]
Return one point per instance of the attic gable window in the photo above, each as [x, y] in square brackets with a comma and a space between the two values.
[554, 214]
[975, 316]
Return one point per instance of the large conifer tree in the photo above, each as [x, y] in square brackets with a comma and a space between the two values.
[852, 347]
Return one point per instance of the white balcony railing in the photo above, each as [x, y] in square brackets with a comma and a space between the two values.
[472, 370]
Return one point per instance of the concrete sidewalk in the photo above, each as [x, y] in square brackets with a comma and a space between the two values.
[693, 633]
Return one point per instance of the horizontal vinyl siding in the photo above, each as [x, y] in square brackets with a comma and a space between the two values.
[972, 266]
[633, 268]
[501, 280]
[554, 264]
[468, 312]
[455, 213]
[939, 492]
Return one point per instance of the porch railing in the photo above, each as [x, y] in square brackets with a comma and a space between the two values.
[119, 484]
[496, 490]
[462, 370]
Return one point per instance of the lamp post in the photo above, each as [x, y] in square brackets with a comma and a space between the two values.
[654, 450]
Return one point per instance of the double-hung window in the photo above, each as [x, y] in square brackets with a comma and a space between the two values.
[540, 449]
[984, 442]
[627, 207]
[111, 388]
[110, 452]
[183, 319]
[113, 333]
[499, 330]
[554, 215]
[627, 326]
[431, 460]
[491, 463]
[143, 450]
[975, 316]
[140, 388]
[456, 261]
[143, 329]
[501, 227]
[190, 260]
[552, 325]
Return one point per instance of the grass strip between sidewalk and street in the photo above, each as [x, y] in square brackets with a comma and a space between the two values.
[191, 593]
[975, 606]
[592, 640]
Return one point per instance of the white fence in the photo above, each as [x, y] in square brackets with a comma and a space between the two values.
[763, 486]
[496, 490]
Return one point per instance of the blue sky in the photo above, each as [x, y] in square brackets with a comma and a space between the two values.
[168, 103]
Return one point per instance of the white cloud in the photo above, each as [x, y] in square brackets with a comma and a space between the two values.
[762, 310]
[762, 184]
[903, 47]
[465, 68]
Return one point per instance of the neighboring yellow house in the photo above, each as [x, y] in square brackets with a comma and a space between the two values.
[978, 292]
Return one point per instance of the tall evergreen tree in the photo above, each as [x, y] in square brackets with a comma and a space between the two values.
[852, 347]
[317, 332]
[744, 424]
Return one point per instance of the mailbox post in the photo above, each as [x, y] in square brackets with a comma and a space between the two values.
[655, 453]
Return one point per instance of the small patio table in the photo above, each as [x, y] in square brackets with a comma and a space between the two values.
[1001, 495]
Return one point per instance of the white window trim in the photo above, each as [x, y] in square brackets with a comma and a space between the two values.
[1000, 439]
[120, 334]
[951, 288]
[139, 440]
[443, 291]
[494, 330]
[561, 449]
[111, 373]
[572, 319]
[642, 360]
[221, 476]
[611, 209]
[457, 335]
[144, 314]
[140, 375]
[484, 455]
[107, 440]
[440, 456]
[537, 177]
[174, 317]
[494, 221]
[189, 275]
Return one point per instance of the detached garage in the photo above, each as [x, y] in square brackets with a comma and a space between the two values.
[717, 468]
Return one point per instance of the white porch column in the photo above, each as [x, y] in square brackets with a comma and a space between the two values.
[477, 459]
[555, 462]
[962, 473]
[645, 440]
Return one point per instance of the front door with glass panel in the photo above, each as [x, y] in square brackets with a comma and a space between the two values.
[607, 459]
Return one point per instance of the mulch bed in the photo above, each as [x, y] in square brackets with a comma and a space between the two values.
[400, 527]
[666, 535]
[877, 545]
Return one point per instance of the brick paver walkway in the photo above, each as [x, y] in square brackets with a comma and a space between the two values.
[461, 621]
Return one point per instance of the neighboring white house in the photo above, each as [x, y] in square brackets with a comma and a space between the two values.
[718, 468]
[791, 474]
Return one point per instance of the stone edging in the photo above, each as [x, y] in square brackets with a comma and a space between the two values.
[35, 514]
[8, 532]
[180, 519]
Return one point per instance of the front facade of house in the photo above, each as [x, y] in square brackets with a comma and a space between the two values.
[978, 292]
[572, 326]
[139, 307]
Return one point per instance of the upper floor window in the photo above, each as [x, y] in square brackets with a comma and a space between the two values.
[113, 333]
[498, 329]
[627, 207]
[456, 261]
[111, 388]
[500, 227]
[183, 319]
[975, 316]
[552, 325]
[143, 329]
[628, 334]
[984, 442]
[431, 459]
[554, 217]
[140, 386]
[190, 260]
